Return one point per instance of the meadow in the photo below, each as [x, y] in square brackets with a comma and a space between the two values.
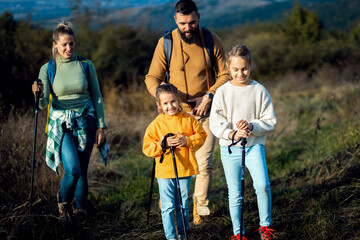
[313, 161]
[313, 155]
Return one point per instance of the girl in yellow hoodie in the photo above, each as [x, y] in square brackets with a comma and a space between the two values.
[188, 137]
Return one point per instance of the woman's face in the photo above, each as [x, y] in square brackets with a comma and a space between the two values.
[65, 45]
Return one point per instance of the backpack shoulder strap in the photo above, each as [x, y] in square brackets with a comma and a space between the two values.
[51, 71]
[209, 44]
[167, 50]
[51, 75]
[85, 66]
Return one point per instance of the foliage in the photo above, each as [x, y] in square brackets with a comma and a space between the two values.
[302, 26]
[23, 49]
[355, 33]
[123, 55]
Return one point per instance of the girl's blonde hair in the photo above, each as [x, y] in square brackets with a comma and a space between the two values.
[167, 88]
[61, 28]
[240, 51]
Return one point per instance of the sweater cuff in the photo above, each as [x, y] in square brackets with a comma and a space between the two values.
[226, 134]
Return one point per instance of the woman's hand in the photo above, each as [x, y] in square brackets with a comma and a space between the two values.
[100, 136]
[38, 88]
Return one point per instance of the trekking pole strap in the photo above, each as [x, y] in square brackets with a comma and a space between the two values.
[233, 142]
[163, 145]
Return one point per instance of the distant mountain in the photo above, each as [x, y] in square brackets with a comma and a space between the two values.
[158, 14]
[335, 14]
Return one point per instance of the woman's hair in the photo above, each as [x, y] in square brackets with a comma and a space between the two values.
[185, 7]
[167, 88]
[62, 28]
[240, 51]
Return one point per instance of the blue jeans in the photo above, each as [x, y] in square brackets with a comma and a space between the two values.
[256, 164]
[75, 163]
[170, 202]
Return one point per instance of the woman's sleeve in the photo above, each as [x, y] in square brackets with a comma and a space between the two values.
[219, 125]
[43, 76]
[96, 97]
[267, 119]
[151, 143]
[195, 141]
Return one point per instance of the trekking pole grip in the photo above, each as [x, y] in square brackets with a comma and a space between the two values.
[37, 95]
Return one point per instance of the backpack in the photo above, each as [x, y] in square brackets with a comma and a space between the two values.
[209, 45]
[51, 75]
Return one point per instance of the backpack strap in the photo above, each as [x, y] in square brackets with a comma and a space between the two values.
[85, 66]
[51, 71]
[167, 50]
[209, 45]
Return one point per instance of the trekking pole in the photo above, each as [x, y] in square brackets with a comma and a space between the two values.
[37, 96]
[151, 190]
[177, 185]
[243, 143]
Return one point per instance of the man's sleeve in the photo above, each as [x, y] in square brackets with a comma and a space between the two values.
[157, 68]
[223, 74]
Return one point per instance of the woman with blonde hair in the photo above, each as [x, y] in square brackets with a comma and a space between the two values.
[76, 118]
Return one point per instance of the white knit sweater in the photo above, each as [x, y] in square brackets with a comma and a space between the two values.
[251, 103]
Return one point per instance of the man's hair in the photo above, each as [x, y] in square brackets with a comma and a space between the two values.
[185, 7]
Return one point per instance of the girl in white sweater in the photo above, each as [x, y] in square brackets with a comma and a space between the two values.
[242, 107]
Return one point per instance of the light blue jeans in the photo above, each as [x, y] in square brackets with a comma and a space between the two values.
[256, 164]
[170, 202]
[75, 163]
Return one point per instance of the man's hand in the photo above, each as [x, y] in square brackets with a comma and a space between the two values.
[202, 105]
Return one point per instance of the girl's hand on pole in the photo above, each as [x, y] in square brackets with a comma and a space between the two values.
[38, 88]
[241, 133]
[100, 136]
[181, 140]
[243, 124]
[177, 140]
[170, 141]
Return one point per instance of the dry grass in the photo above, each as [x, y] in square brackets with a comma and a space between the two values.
[313, 160]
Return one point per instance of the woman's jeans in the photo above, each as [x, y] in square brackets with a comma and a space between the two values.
[256, 164]
[75, 163]
[169, 201]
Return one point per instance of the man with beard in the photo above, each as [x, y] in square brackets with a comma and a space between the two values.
[191, 71]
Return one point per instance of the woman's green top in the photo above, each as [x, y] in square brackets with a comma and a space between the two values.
[71, 89]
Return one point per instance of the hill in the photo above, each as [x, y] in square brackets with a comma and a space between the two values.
[217, 14]
[158, 15]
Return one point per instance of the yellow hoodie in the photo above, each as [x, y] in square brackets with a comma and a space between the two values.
[185, 124]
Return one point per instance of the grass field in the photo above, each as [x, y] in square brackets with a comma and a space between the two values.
[313, 160]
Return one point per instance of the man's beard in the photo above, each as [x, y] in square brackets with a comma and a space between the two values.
[194, 34]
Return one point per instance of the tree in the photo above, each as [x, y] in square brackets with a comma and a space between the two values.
[354, 34]
[302, 26]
